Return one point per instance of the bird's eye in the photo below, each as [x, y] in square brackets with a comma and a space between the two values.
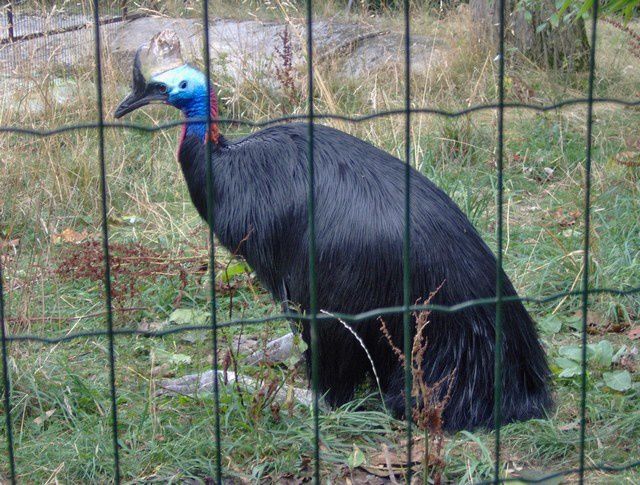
[183, 85]
[162, 88]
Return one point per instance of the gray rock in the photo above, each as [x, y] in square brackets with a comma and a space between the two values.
[247, 49]
[243, 50]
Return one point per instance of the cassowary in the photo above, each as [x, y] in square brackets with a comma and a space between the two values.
[260, 188]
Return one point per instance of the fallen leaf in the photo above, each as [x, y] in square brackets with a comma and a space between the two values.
[69, 236]
[390, 462]
[163, 370]
[628, 362]
[41, 419]
[11, 243]
[597, 323]
[566, 218]
[628, 158]
[145, 326]
[570, 426]
[634, 333]
[617, 327]
[625, 358]
[360, 476]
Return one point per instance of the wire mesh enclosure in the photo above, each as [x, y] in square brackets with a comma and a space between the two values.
[30, 30]
[16, 26]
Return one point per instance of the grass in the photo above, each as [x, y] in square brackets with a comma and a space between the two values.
[60, 393]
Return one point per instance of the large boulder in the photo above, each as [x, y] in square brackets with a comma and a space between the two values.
[248, 48]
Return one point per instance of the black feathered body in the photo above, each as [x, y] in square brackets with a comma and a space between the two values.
[260, 191]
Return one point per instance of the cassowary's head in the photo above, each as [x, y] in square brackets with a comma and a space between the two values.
[161, 75]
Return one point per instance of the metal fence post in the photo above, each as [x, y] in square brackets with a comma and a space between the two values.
[406, 241]
[105, 239]
[497, 370]
[6, 382]
[212, 247]
[587, 241]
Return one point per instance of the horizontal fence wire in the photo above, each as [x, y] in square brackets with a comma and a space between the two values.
[306, 317]
[314, 318]
[18, 130]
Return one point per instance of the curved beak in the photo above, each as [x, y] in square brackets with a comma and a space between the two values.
[141, 93]
[137, 100]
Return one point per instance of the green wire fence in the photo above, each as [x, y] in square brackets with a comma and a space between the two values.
[313, 317]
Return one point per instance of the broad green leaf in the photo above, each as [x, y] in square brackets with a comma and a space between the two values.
[234, 269]
[619, 380]
[550, 325]
[602, 353]
[570, 368]
[573, 352]
[188, 316]
[162, 356]
[575, 322]
[356, 458]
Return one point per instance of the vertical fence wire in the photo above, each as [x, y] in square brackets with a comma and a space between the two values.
[105, 239]
[406, 244]
[497, 370]
[212, 253]
[6, 384]
[313, 298]
[586, 249]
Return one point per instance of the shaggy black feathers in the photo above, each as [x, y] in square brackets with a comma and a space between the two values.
[260, 191]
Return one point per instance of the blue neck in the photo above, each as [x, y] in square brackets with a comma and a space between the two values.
[197, 108]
